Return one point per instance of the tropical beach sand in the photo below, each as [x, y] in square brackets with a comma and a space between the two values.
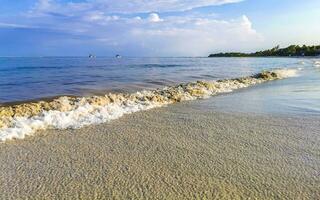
[183, 151]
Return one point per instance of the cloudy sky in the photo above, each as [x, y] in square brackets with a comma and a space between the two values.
[154, 27]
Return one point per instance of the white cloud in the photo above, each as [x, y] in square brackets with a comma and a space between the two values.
[95, 16]
[44, 4]
[99, 17]
[154, 17]
[11, 25]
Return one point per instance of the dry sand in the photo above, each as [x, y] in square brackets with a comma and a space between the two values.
[179, 152]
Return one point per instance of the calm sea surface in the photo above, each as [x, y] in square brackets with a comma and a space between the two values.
[24, 79]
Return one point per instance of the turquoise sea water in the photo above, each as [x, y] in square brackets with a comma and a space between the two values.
[32, 78]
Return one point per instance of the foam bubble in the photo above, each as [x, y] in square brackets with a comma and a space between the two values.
[73, 113]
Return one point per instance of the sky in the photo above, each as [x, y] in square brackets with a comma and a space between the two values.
[154, 27]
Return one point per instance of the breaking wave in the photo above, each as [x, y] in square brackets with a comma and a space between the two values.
[19, 121]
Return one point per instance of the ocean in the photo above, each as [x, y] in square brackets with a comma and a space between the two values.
[78, 78]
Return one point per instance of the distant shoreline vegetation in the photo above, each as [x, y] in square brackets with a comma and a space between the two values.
[293, 50]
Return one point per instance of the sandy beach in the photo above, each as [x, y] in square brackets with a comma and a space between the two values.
[183, 151]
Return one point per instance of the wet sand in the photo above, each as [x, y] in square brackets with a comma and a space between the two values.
[183, 151]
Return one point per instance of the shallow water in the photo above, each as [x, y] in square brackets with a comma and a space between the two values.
[297, 96]
[31, 78]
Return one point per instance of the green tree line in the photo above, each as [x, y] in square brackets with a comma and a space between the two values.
[293, 50]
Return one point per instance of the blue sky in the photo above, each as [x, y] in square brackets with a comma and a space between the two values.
[154, 27]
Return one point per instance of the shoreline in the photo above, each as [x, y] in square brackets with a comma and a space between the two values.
[182, 151]
[21, 120]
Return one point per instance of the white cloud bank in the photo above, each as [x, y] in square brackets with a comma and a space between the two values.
[185, 36]
[102, 23]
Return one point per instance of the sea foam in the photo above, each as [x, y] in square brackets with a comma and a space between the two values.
[286, 73]
[23, 120]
